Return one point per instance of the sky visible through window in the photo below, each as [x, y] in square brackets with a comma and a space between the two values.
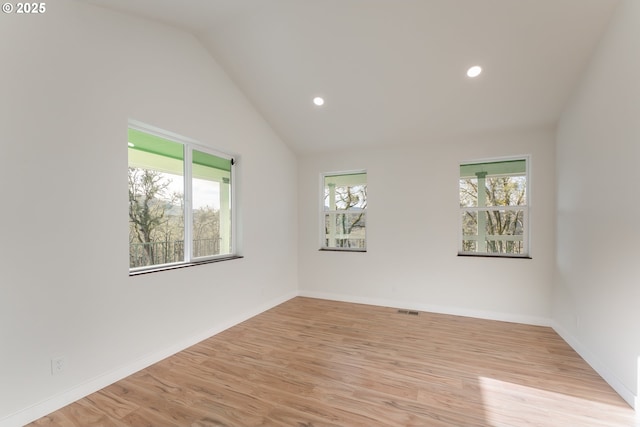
[205, 192]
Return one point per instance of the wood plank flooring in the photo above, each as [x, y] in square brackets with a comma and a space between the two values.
[312, 362]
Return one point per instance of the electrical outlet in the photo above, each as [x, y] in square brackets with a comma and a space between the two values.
[57, 365]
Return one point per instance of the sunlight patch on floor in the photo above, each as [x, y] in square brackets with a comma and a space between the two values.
[506, 402]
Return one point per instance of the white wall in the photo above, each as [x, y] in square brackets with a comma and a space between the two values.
[596, 302]
[412, 232]
[71, 79]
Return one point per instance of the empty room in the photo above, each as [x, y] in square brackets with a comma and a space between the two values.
[339, 213]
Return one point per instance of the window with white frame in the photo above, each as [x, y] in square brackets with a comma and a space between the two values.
[494, 208]
[344, 211]
[180, 201]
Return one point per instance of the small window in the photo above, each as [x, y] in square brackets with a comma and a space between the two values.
[494, 208]
[180, 201]
[344, 212]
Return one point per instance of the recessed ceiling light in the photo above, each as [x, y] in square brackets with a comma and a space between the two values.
[319, 101]
[131, 144]
[474, 71]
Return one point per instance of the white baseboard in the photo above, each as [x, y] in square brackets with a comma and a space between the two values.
[598, 366]
[479, 314]
[61, 400]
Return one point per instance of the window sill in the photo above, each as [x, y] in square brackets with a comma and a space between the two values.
[182, 265]
[341, 250]
[494, 256]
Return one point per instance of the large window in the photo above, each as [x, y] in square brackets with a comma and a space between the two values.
[344, 211]
[180, 201]
[494, 208]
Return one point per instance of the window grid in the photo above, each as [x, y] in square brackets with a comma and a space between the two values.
[494, 207]
[343, 214]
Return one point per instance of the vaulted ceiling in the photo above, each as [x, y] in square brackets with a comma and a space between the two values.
[393, 71]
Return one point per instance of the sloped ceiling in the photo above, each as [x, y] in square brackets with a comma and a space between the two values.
[393, 71]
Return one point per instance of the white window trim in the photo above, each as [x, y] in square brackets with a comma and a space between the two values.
[321, 235]
[526, 236]
[190, 145]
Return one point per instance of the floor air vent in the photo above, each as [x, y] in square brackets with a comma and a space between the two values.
[409, 312]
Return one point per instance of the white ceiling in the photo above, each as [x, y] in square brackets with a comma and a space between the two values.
[393, 71]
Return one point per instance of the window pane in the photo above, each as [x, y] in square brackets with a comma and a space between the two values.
[156, 202]
[211, 204]
[503, 222]
[345, 192]
[493, 231]
[469, 231]
[468, 192]
[493, 184]
[506, 191]
[345, 230]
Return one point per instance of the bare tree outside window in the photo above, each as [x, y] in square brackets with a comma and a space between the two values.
[156, 218]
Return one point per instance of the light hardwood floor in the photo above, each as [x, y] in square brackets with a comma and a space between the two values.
[312, 362]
